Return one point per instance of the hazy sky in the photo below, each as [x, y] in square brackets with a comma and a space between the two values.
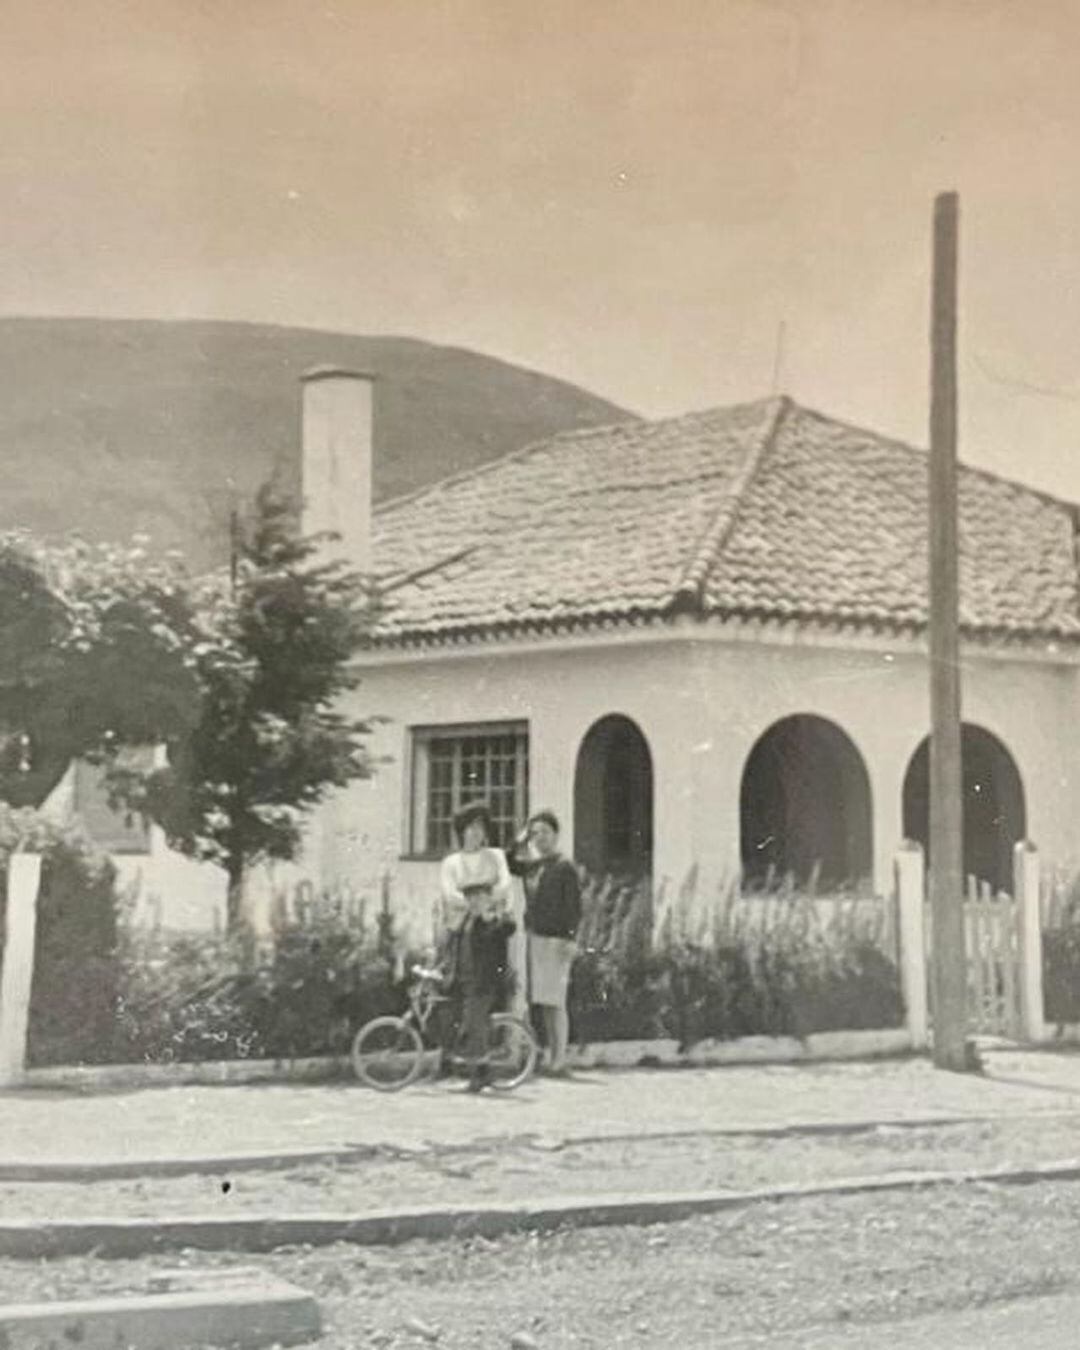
[632, 194]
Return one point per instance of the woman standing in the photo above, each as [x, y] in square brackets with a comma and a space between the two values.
[475, 891]
[552, 916]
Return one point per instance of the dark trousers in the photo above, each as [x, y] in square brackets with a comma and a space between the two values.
[478, 1005]
[447, 1026]
[466, 1016]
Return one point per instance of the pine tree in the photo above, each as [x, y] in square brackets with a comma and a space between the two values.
[273, 662]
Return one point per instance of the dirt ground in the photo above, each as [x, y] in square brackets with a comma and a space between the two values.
[731, 1280]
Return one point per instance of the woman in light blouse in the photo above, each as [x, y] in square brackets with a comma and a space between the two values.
[475, 867]
[475, 884]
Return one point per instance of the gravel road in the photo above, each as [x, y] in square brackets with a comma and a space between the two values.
[731, 1280]
[514, 1171]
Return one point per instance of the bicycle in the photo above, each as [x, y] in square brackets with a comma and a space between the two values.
[388, 1053]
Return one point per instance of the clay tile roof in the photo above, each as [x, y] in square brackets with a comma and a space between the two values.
[764, 510]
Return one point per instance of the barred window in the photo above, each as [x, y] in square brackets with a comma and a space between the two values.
[455, 765]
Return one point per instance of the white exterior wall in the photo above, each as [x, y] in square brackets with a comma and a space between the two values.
[701, 700]
[560, 695]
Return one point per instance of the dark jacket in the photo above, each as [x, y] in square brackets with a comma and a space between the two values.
[552, 895]
[477, 959]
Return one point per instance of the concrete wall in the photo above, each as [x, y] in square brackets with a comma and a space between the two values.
[701, 700]
[171, 891]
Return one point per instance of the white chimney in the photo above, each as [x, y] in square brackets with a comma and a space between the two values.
[337, 460]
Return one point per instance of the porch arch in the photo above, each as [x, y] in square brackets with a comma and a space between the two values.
[805, 805]
[613, 799]
[995, 811]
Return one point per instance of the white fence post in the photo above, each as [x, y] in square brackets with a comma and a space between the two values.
[911, 924]
[17, 973]
[1029, 931]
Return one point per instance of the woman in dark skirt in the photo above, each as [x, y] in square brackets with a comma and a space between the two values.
[552, 917]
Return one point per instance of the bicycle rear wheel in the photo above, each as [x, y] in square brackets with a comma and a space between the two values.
[387, 1054]
[513, 1052]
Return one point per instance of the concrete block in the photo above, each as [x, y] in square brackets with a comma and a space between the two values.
[222, 1312]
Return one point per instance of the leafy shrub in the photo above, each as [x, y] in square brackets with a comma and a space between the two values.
[76, 970]
[73, 996]
[324, 978]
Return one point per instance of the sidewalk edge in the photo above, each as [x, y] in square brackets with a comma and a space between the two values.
[819, 1047]
[28, 1240]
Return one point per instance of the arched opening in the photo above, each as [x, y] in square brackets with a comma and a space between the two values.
[613, 800]
[995, 816]
[804, 807]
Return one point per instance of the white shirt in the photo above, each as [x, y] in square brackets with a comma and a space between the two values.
[477, 867]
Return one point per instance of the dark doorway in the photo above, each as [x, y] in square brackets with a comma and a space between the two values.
[995, 817]
[805, 809]
[613, 800]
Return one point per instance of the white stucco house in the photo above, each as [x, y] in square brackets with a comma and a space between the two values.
[700, 641]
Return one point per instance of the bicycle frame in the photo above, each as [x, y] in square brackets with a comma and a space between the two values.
[423, 1000]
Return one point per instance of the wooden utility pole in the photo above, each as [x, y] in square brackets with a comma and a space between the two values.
[949, 985]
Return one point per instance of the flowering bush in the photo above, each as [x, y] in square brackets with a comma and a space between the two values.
[737, 966]
[97, 642]
[203, 997]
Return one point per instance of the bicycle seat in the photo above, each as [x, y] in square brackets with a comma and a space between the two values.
[426, 973]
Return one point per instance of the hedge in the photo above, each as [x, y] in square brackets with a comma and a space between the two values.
[108, 993]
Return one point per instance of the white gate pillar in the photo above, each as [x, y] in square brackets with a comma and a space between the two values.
[1026, 884]
[911, 932]
[17, 971]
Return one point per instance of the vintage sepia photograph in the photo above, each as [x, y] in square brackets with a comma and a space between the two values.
[540, 674]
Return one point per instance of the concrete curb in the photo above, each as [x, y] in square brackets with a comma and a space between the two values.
[33, 1171]
[27, 1240]
[819, 1047]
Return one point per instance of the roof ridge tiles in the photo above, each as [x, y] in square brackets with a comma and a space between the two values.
[711, 543]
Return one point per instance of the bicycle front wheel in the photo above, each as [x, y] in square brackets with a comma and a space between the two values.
[387, 1054]
[513, 1052]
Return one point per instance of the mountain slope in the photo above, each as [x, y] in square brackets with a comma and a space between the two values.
[115, 426]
